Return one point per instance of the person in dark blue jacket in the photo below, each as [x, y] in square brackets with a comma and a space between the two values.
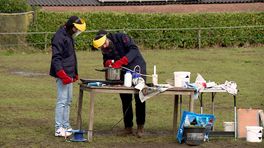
[121, 49]
[64, 69]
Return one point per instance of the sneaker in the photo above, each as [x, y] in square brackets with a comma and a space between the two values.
[68, 132]
[60, 132]
[68, 129]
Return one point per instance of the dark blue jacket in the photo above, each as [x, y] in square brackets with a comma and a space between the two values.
[63, 54]
[124, 46]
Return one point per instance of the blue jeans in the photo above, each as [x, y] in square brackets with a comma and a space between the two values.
[62, 110]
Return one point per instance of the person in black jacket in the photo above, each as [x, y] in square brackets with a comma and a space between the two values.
[121, 49]
[64, 69]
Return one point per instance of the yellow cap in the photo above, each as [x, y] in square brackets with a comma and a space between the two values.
[82, 26]
[99, 42]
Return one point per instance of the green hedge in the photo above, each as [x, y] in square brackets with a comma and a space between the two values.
[164, 39]
[14, 6]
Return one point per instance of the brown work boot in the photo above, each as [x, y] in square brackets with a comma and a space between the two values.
[126, 132]
[140, 131]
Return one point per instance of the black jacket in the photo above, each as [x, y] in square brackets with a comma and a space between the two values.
[125, 46]
[63, 54]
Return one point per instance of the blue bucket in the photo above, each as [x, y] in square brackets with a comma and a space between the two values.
[78, 136]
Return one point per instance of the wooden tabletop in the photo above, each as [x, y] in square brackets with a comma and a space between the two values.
[123, 89]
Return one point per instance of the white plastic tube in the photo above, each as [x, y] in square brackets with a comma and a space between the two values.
[154, 76]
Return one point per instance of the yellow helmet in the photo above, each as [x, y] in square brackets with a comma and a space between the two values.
[80, 24]
[97, 43]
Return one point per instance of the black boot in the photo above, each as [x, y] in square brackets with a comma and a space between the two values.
[126, 132]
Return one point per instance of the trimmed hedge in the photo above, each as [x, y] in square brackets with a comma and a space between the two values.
[164, 39]
[14, 6]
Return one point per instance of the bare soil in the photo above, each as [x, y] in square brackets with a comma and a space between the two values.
[177, 8]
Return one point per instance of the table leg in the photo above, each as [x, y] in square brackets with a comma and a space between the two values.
[180, 106]
[79, 109]
[201, 103]
[91, 118]
[213, 107]
[235, 110]
[212, 103]
[175, 114]
[191, 103]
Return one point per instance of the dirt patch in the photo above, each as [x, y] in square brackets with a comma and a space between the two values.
[26, 122]
[178, 8]
[152, 145]
[148, 133]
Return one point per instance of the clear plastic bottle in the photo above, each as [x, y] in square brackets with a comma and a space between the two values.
[95, 84]
[128, 79]
[135, 78]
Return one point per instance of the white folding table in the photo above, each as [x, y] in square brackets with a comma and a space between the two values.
[214, 92]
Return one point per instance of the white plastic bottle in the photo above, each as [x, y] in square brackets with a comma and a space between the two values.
[128, 79]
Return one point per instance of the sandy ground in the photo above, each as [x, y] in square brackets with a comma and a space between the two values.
[177, 8]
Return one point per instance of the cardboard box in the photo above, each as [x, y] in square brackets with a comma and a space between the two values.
[246, 117]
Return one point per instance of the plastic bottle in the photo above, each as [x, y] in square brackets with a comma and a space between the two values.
[128, 79]
[135, 78]
[95, 84]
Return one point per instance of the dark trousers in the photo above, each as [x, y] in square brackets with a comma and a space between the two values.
[128, 110]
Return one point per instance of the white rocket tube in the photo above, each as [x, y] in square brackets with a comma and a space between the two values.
[154, 76]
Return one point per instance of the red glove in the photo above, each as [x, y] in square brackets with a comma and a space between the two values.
[75, 78]
[64, 77]
[119, 63]
[108, 63]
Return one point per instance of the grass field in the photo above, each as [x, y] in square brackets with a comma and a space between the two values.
[28, 96]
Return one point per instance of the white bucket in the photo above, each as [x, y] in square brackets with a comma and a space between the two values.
[254, 133]
[229, 126]
[180, 78]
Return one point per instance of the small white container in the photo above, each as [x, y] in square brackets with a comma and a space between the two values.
[180, 78]
[229, 126]
[128, 79]
[254, 133]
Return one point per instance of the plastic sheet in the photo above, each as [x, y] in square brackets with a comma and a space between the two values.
[190, 119]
